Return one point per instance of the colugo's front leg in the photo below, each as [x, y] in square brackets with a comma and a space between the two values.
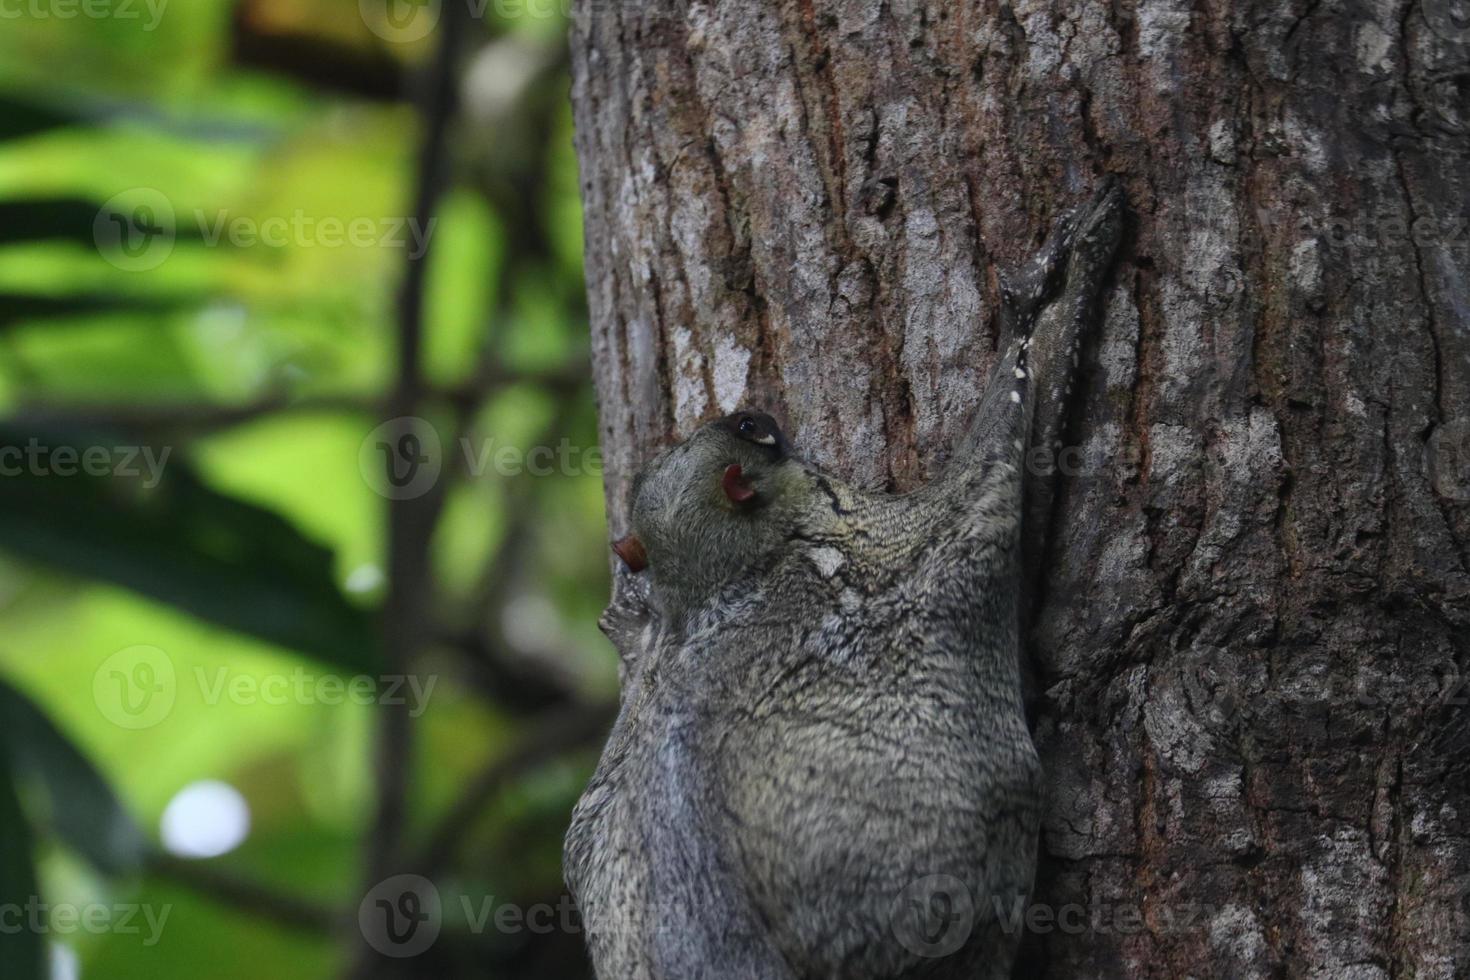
[629, 620]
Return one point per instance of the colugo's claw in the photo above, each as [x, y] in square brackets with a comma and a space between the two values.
[1026, 290]
[1099, 234]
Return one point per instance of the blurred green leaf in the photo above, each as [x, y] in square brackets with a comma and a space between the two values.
[66, 218]
[80, 807]
[23, 117]
[144, 520]
[18, 307]
[77, 219]
[21, 950]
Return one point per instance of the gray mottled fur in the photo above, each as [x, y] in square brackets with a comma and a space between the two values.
[821, 706]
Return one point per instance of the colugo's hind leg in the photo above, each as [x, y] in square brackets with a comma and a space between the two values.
[1045, 306]
[979, 506]
[1062, 321]
[1062, 324]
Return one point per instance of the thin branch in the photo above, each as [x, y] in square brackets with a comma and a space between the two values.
[555, 733]
[247, 895]
[525, 685]
[410, 521]
[207, 417]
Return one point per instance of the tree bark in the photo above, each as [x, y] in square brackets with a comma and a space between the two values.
[1250, 637]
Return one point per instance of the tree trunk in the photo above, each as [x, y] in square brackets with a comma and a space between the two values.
[1251, 631]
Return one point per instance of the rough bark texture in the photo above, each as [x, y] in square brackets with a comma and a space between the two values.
[1252, 631]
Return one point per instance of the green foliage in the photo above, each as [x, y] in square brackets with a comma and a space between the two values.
[21, 950]
[177, 541]
[199, 262]
[79, 806]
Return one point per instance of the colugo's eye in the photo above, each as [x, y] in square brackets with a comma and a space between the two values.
[747, 426]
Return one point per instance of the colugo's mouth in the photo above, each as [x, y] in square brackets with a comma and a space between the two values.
[737, 488]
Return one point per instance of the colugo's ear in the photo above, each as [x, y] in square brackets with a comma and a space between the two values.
[630, 550]
[737, 487]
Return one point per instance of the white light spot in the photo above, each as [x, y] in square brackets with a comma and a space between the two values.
[204, 820]
[64, 963]
[1016, 397]
[1020, 372]
[766, 440]
[531, 623]
[363, 578]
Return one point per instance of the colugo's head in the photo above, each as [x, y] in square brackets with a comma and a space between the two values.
[711, 505]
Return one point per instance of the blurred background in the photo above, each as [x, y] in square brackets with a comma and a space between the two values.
[301, 520]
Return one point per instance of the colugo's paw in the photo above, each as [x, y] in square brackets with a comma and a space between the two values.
[1026, 290]
[628, 614]
[1099, 230]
